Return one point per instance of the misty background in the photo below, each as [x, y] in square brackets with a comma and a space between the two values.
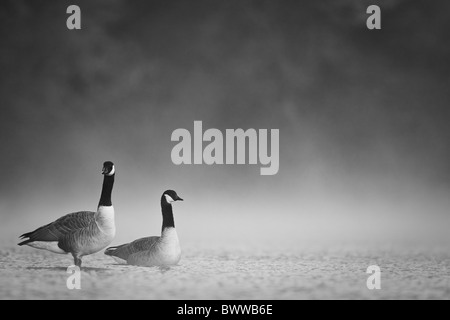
[363, 117]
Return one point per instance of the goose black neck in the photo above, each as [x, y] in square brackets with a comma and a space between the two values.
[167, 214]
[105, 198]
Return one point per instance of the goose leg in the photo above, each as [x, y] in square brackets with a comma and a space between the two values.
[77, 261]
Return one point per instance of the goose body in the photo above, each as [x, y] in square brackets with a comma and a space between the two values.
[79, 233]
[153, 251]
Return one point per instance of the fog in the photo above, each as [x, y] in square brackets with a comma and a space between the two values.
[363, 117]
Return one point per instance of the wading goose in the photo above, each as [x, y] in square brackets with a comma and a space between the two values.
[80, 233]
[153, 251]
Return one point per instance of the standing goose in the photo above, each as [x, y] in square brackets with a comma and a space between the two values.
[154, 251]
[80, 233]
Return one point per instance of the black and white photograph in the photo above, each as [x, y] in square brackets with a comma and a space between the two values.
[248, 151]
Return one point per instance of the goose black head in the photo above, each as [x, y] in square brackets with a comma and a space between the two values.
[108, 168]
[171, 196]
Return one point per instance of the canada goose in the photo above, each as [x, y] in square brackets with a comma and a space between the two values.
[80, 233]
[153, 251]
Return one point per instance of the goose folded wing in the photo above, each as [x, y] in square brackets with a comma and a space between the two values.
[62, 227]
[143, 244]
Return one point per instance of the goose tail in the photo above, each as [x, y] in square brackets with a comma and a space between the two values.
[117, 253]
[24, 242]
[110, 251]
[24, 237]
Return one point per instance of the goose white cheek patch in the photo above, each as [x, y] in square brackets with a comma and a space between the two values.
[112, 171]
[169, 198]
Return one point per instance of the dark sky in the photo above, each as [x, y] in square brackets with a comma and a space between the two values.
[363, 115]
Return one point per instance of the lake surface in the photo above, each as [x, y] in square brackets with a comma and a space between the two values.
[312, 273]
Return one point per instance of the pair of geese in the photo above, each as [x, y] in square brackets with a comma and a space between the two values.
[84, 233]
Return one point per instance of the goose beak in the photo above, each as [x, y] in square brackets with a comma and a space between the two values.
[103, 170]
[179, 199]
